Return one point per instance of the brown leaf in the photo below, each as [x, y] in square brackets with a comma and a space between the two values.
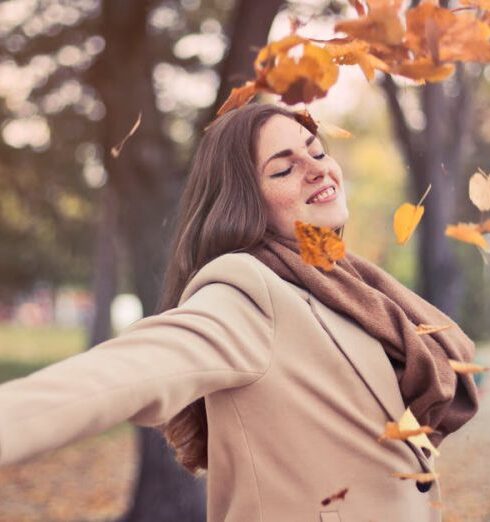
[340, 495]
[239, 96]
[116, 150]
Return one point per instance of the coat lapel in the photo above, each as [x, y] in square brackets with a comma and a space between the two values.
[368, 358]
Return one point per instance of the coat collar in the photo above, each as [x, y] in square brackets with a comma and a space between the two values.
[371, 362]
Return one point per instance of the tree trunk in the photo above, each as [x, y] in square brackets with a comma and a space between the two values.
[105, 274]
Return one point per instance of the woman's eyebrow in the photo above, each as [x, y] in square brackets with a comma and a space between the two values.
[287, 152]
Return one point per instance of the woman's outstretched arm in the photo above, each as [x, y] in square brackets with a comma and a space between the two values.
[220, 337]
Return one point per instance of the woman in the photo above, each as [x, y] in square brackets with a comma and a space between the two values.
[274, 375]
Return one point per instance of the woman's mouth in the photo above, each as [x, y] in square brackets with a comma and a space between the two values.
[326, 195]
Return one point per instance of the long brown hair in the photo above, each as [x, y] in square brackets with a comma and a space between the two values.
[221, 211]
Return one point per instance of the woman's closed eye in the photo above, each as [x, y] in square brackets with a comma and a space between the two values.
[287, 171]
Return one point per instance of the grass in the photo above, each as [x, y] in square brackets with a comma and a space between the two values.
[24, 350]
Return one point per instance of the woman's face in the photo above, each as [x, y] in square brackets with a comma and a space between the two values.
[293, 166]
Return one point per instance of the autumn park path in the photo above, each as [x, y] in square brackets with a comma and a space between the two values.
[464, 464]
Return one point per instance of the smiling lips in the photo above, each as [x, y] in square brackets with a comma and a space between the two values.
[325, 194]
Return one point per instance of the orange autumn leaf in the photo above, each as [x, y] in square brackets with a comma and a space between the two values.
[340, 495]
[408, 428]
[393, 431]
[437, 32]
[481, 4]
[356, 52]
[464, 367]
[382, 24]
[407, 217]
[419, 477]
[479, 190]
[328, 129]
[423, 329]
[423, 69]
[305, 78]
[467, 232]
[319, 246]
[239, 96]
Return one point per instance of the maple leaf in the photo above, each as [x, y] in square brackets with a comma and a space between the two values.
[319, 246]
[303, 79]
[382, 24]
[423, 69]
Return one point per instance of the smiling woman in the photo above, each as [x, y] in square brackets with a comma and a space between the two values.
[274, 376]
[301, 182]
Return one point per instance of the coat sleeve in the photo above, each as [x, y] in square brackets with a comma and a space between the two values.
[218, 338]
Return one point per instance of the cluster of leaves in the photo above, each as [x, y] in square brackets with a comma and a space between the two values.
[421, 43]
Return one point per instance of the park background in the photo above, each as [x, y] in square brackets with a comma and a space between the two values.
[83, 234]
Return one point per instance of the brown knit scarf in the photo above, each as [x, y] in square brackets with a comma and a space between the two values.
[389, 311]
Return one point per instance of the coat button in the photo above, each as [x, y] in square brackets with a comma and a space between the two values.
[423, 487]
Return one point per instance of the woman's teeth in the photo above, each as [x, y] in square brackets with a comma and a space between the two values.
[323, 195]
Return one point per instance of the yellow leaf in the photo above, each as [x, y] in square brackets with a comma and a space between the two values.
[479, 190]
[407, 217]
[405, 221]
[464, 367]
[419, 477]
[422, 328]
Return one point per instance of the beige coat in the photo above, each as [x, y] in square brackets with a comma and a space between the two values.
[296, 396]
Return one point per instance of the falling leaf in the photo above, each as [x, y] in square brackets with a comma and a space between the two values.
[328, 129]
[464, 367]
[319, 246]
[305, 78]
[479, 190]
[408, 428]
[393, 431]
[480, 4]
[419, 477]
[239, 96]
[116, 150]
[423, 69]
[382, 24]
[305, 118]
[406, 218]
[467, 232]
[340, 495]
[423, 329]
